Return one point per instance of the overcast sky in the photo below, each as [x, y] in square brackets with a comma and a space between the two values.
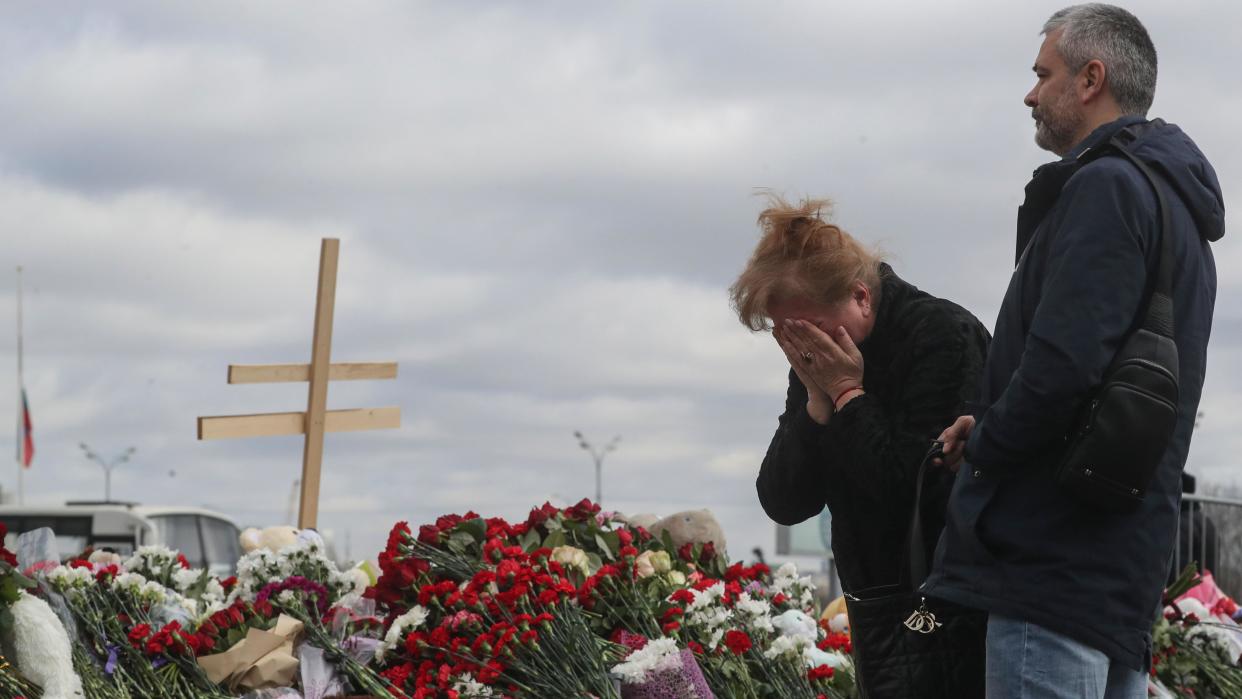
[540, 205]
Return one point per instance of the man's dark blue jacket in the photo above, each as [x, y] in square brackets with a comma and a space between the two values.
[1088, 241]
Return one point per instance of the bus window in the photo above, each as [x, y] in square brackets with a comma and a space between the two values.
[72, 532]
[180, 533]
[222, 547]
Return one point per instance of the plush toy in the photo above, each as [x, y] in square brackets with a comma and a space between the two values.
[41, 649]
[271, 538]
[278, 537]
[692, 526]
[837, 616]
[644, 520]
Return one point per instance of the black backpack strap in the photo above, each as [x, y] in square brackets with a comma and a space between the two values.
[1159, 307]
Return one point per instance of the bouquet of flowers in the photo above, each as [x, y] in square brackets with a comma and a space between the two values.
[302, 582]
[138, 630]
[1197, 650]
[552, 606]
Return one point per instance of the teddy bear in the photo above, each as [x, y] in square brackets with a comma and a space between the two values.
[690, 526]
[277, 538]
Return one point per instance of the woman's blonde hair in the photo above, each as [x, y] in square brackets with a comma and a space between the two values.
[800, 255]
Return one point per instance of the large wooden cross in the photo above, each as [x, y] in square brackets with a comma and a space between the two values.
[317, 419]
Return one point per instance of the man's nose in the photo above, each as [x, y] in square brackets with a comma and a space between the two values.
[1030, 100]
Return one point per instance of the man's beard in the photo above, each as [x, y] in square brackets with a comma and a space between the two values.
[1057, 124]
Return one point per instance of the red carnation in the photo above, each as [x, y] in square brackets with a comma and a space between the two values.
[737, 641]
[823, 672]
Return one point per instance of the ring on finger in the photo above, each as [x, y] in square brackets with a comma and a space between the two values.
[807, 357]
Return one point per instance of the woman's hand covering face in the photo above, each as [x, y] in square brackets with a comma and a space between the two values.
[831, 362]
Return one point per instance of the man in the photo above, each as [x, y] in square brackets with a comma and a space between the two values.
[1072, 592]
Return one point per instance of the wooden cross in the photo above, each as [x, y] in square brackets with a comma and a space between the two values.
[317, 419]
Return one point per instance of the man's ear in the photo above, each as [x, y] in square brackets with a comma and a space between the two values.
[1091, 80]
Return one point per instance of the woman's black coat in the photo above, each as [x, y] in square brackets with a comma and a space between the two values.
[922, 363]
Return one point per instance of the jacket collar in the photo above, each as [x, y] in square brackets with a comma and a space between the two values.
[894, 294]
[1048, 180]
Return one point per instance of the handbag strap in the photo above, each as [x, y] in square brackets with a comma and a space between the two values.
[916, 554]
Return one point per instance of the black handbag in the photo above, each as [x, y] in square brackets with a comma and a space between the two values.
[1123, 429]
[907, 646]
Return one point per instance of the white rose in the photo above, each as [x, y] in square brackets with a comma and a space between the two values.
[572, 557]
[643, 566]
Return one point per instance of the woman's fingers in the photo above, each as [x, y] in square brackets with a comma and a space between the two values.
[846, 343]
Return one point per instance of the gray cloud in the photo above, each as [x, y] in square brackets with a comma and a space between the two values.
[541, 206]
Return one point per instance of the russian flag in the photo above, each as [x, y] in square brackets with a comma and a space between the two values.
[25, 445]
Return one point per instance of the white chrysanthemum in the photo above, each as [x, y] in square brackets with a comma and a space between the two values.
[786, 575]
[657, 656]
[185, 578]
[354, 580]
[755, 612]
[467, 686]
[214, 592]
[782, 645]
[400, 627]
[153, 591]
[704, 598]
[129, 581]
[66, 577]
[189, 605]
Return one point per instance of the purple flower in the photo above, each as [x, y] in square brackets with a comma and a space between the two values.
[309, 588]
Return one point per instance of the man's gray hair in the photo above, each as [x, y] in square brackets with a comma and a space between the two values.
[1115, 37]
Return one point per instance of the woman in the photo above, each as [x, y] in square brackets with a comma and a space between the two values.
[878, 370]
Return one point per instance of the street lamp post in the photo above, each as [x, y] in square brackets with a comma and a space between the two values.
[107, 465]
[598, 456]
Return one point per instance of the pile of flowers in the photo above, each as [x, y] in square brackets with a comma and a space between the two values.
[568, 603]
[574, 602]
[1197, 648]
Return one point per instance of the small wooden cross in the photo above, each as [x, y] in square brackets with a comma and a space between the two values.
[317, 419]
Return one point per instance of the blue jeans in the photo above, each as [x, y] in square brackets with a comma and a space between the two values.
[1026, 661]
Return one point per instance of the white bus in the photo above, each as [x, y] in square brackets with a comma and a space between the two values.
[207, 539]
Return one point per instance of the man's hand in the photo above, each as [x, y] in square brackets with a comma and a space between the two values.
[954, 439]
[818, 404]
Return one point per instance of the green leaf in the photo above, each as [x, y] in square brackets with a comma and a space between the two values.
[476, 528]
[609, 544]
[556, 538]
[530, 541]
[235, 635]
[6, 622]
[667, 540]
[594, 561]
[199, 587]
[553, 524]
[460, 542]
[23, 581]
[10, 592]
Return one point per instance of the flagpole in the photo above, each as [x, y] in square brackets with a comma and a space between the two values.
[21, 425]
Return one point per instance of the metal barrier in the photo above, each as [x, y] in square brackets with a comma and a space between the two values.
[1210, 533]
